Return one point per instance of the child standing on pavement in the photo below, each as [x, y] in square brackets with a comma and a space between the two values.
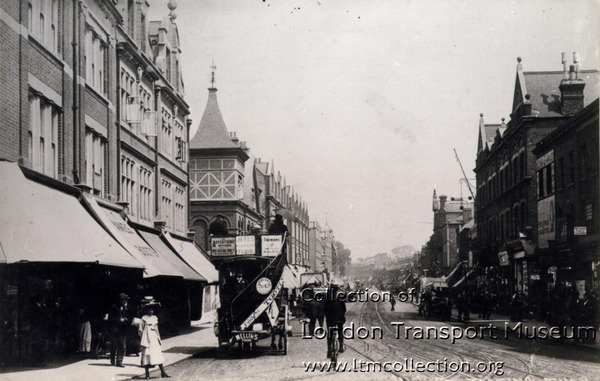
[150, 339]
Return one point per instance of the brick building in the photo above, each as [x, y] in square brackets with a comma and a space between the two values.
[506, 210]
[93, 109]
[568, 197]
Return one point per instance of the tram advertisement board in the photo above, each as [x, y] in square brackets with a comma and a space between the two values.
[245, 245]
[221, 247]
[271, 245]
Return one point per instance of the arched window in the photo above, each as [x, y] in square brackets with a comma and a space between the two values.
[218, 227]
[201, 236]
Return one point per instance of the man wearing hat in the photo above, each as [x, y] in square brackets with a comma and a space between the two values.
[120, 320]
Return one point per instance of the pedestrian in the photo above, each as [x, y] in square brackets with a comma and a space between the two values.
[461, 303]
[84, 330]
[150, 339]
[393, 302]
[516, 307]
[278, 227]
[240, 283]
[486, 305]
[335, 314]
[120, 320]
[313, 309]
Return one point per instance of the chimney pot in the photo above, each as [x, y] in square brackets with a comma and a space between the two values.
[571, 71]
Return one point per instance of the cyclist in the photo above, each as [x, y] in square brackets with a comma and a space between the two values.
[335, 315]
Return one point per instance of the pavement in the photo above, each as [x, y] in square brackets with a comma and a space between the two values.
[175, 349]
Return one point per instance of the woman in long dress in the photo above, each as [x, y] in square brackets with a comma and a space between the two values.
[150, 341]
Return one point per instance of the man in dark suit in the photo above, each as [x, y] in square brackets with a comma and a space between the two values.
[335, 315]
[120, 319]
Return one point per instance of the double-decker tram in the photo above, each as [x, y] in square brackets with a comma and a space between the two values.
[253, 305]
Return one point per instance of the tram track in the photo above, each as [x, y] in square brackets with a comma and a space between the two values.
[481, 352]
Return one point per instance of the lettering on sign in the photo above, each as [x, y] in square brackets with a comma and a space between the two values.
[271, 245]
[245, 245]
[222, 246]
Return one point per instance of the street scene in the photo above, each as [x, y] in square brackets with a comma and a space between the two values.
[289, 190]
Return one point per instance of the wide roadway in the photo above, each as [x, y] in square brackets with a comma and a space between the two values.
[407, 355]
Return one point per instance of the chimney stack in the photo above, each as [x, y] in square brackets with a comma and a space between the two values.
[571, 87]
[233, 136]
[443, 201]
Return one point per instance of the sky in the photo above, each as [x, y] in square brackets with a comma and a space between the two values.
[361, 103]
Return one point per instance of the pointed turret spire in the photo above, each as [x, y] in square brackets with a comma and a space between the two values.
[212, 132]
[436, 202]
[212, 75]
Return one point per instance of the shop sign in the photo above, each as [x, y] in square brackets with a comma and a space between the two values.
[12, 290]
[579, 230]
[245, 245]
[546, 223]
[503, 258]
[221, 247]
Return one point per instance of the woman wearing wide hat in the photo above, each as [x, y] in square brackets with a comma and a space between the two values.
[150, 338]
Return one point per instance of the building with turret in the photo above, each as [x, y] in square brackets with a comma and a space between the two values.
[233, 193]
[217, 175]
[448, 218]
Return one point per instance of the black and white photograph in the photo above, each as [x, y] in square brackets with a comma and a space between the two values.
[299, 190]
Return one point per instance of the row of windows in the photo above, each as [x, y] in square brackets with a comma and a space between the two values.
[576, 165]
[43, 135]
[95, 60]
[509, 174]
[42, 21]
[95, 154]
[173, 206]
[180, 215]
[212, 164]
[167, 202]
[137, 189]
[507, 225]
[545, 181]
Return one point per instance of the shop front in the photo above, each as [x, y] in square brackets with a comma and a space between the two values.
[167, 278]
[58, 268]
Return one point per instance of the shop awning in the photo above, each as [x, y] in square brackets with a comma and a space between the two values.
[464, 278]
[455, 274]
[42, 224]
[291, 276]
[155, 264]
[193, 257]
[165, 252]
[519, 254]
